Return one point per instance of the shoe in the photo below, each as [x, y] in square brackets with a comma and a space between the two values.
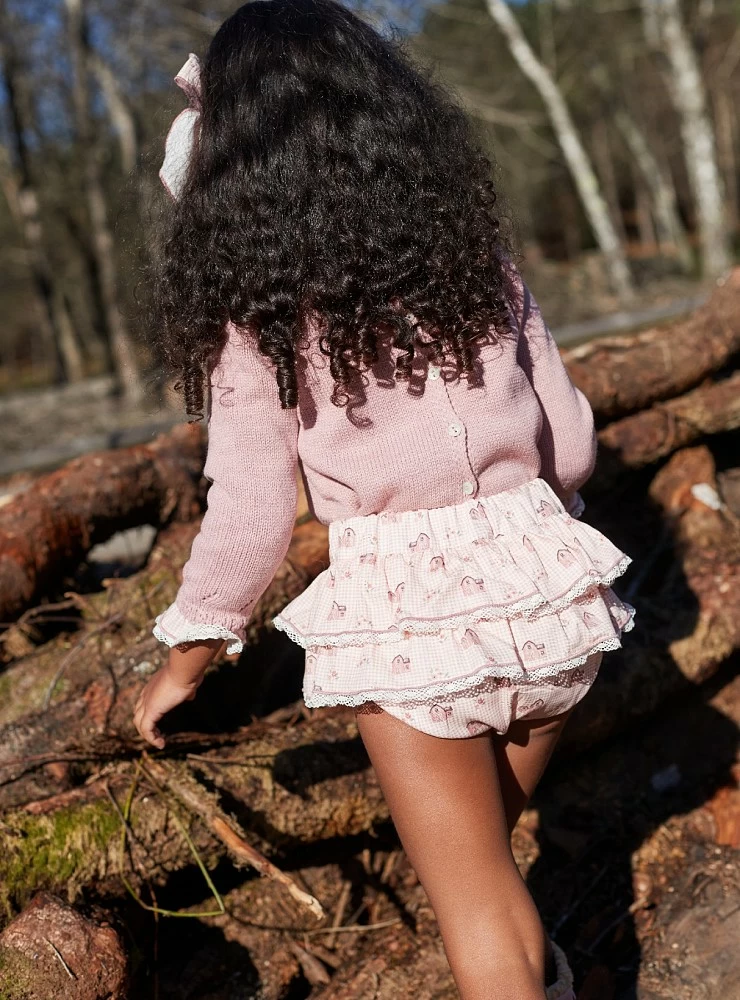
[562, 988]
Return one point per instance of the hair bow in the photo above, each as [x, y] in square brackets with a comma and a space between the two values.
[183, 133]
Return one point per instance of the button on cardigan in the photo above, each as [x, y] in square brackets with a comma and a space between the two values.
[433, 442]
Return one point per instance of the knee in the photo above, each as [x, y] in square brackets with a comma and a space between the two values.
[491, 961]
[505, 977]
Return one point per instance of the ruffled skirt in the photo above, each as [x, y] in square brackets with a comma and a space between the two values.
[424, 608]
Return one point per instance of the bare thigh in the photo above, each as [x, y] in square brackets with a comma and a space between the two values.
[445, 799]
[522, 755]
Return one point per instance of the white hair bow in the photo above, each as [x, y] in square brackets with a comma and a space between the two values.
[183, 133]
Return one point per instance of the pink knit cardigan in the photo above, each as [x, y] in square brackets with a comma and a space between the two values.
[435, 442]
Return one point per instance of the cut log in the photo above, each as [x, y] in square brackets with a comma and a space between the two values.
[624, 374]
[646, 437]
[51, 950]
[46, 531]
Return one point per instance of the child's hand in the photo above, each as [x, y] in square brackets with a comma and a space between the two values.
[175, 683]
[163, 693]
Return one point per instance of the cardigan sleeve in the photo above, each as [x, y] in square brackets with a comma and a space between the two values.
[251, 462]
[567, 442]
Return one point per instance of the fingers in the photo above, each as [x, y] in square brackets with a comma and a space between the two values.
[146, 724]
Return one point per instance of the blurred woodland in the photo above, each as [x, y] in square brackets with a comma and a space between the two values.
[261, 824]
[612, 123]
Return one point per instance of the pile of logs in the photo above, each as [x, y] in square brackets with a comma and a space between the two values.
[248, 773]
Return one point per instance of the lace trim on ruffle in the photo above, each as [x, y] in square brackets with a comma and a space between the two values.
[526, 608]
[457, 684]
[196, 632]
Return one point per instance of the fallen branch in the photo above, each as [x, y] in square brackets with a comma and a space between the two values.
[313, 784]
[191, 795]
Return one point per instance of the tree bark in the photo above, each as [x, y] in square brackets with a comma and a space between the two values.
[690, 623]
[122, 347]
[577, 159]
[644, 215]
[664, 24]
[671, 231]
[604, 161]
[646, 437]
[622, 374]
[292, 785]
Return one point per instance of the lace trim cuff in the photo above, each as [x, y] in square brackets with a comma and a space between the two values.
[172, 628]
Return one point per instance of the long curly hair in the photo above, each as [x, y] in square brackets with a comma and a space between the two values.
[332, 179]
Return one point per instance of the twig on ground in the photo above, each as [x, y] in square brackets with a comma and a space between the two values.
[312, 968]
[354, 928]
[38, 611]
[288, 713]
[155, 909]
[59, 956]
[241, 761]
[341, 906]
[226, 833]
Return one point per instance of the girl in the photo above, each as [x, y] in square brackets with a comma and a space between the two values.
[336, 278]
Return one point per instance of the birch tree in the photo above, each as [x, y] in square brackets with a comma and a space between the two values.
[665, 29]
[574, 151]
[670, 230]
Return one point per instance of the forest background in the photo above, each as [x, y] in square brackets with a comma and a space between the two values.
[612, 124]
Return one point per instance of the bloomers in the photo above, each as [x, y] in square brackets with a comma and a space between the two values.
[461, 619]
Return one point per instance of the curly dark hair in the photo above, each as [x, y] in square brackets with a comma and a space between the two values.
[331, 176]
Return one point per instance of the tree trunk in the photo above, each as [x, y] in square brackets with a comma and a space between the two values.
[603, 158]
[120, 114]
[122, 347]
[20, 190]
[725, 126]
[644, 216]
[573, 149]
[664, 23]
[670, 229]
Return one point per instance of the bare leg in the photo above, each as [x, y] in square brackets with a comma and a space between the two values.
[522, 756]
[524, 752]
[445, 800]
